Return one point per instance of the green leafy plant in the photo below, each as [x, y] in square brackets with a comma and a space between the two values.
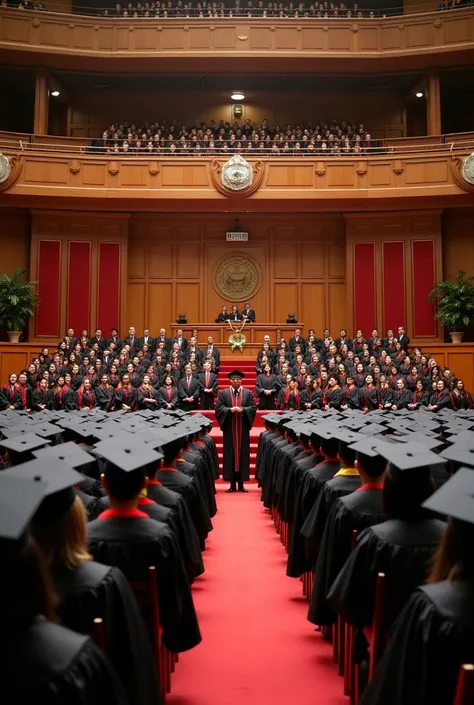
[455, 301]
[18, 300]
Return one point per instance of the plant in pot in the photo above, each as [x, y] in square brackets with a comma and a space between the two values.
[18, 301]
[455, 302]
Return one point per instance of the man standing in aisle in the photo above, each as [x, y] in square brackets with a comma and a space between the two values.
[235, 413]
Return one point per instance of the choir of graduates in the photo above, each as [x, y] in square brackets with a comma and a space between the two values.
[396, 478]
[89, 501]
[347, 374]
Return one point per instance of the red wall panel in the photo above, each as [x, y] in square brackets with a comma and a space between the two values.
[108, 288]
[49, 277]
[393, 285]
[364, 287]
[79, 284]
[424, 323]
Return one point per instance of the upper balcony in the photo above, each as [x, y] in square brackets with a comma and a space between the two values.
[276, 44]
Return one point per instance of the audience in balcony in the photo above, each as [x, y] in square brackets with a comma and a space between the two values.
[207, 139]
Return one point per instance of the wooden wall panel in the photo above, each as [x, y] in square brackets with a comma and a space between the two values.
[160, 306]
[285, 300]
[14, 241]
[337, 307]
[188, 261]
[136, 307]
[461, 362]
[187, 300]
[313, 306]
[458, 250]
[160, 259]
[285, 257]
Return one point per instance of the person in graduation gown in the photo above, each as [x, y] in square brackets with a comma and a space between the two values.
[89, 590]
[289, 397]
[434, 635]
[11, 397]
[351, 394]
[105, 394]
[356, 511]
[64, 398]
[441, 399]
[223, 316]
[147, 396]
[42, 662]
[235, 414]
[333, 396]
[126, 537]
[126, 395]
[369, 395]
[386, 394]
[266, 388]
[42, 397]
[85, 398]
[403, 396]
[188, 390]
[168, 394]
[208, 382]
[460, 397]
[311, 396]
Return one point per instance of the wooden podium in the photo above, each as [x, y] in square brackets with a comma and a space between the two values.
[254, 332]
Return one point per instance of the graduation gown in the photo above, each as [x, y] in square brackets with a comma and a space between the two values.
[127, 396]
[65, 398]
[387, 397]
[147, 394]
[133, 542]
[42, 399]
[15, 396]
[187, 487]
[403, 398]
[268, 383]
[369, 398]
[357, 511]
[213, 455]
[462, 400]
[312, 399]
[352, 397]
[105, 398]
[236, 430]
[206, 398]
[442, 400]
[85, 400]
[48, 664]
[93, 590]
[433, 636]
[334, 398]
[192, 392]
[166, 397]
[288, 401]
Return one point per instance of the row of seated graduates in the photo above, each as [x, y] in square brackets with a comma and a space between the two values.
[121, 493]
[249, 8]
[326, 475]
[218, 136]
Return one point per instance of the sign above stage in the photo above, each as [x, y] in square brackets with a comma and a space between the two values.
[236, 237]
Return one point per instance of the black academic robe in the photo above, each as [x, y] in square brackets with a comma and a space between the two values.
[105, 398]
[189, 489]
[266, 383]
[312, 399]
[387, 397]
[149, 394]
[48, 664]
[189, 390]
[207, 398]
[288, 401]
[165, 398]
[462, 400]
[352, 397]
[64, 399]
[313, 528]
[433, 636]
[214, 457]
[369, 398]
[357, 511]
[334, 398]
[135, 542]
[403, 398]
[127, 396]
[93, 590]
[85, 400]
[236, 430]
[442, 400]
[90, 504]
[42, 399]
[14, 396]
[196, 464]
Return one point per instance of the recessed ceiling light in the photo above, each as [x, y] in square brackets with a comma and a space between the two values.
[419, 94]
[55, 93]
[238, 95]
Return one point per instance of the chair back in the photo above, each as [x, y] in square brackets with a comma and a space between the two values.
[465, 686]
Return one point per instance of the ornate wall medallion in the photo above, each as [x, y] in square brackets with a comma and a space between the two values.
[5, 168]
[237, 173]
[237, 278]
[467, 169]
[462, 170]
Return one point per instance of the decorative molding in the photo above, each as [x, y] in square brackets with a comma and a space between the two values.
[74, 166]
[36, 23]
[354, 28]
[113, 168]
[361, 168]
[398, 167]
[154, 168]
[16, 163]
[320, 169]
[242, 37]
[258, 170]
[457, 164]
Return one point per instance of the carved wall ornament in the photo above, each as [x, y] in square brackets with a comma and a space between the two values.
[398, 167]
[36, 23]
[10, 168]
[320, 168]
[462, 170]
[242, 37]
[237, 177]
[113, 168]
[361, 168]
[467, 169]
[354, 28]
[153, 168]
[237, 277]
[74, 166]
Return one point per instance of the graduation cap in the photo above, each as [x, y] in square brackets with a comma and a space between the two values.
[462, 453]
[19, 500]
[236, 373]
[373, 429]
[59, 480]
[128, 456]
[16, 430]
[455, 498]
[47, 430]
[73, 455]
[20, 448]
[370, 446]
[411, 456]
[165, 422]
[462, 437]
[430, 442]
[346, 436]
[204, 420]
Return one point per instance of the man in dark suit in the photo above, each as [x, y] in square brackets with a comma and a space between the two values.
[162, 338]
[223, 315]
[343, 340]
[208, 383]
[188, 390]
[389, 341]
[101, 342]
[373, 341]
[297, 340]
[403, 339]
[131, 339]
[74, 339]
[193, 348]
[114, 338]
[181, 340]
[235, 315]
[248, 314]
[147, 340]
[212, 351]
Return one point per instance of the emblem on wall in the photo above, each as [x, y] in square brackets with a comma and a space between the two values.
[237, 278]
[463, 172]
[5, 168]
[237, 177]
[467, 169]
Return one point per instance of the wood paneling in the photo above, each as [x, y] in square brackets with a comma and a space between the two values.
[160, 306]
[14, 241]
[458, 250]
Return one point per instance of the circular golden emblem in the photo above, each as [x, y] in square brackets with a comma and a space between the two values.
[237, 278]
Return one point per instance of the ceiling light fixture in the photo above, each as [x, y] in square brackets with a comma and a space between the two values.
[238, 95]
[55, 94]
[419, 94]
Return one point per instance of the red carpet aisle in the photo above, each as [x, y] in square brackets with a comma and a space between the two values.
[258, 648]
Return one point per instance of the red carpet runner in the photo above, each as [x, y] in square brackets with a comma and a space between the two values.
[258, 648]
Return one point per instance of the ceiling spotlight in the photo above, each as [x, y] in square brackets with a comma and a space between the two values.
[237, 95]
[55, 94]
[419, 94]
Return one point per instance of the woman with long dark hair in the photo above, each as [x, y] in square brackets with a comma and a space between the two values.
[105, 394]
[64, 398]
[386, 394]
[289, 397]
[460, 398]
[441, 399]
[333, 396]
[168, 393]
[147, 396]
[42, 397]
[126, 397]
[369, 395]
[420, 396]
[311, 396]
[85, 395]
[266, 388]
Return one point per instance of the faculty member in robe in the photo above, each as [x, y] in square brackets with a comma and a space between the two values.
[209, 386]
[188, 390]
[235, 413]
[266, 388]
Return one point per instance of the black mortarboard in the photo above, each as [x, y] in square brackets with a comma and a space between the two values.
[128, 456]
[344, 435]
[462, 437]
[19, 500]
[372, 429]
[369, 446]
[72, 454]
[47, 430]
[430, 442]
[20, 448]
[16, 430]
[236, 373]
[455, 498]
[411, 456]
[462, 453]
[59, 481]
[204, 420]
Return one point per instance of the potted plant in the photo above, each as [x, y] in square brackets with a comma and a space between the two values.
[455, 301]
[18, 300]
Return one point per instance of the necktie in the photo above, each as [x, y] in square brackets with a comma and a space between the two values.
[189, 382]
[207, 380]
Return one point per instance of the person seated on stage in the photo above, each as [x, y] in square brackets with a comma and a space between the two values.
[44, 662]
[248, 314]
[441, 398]
[212, 351]
[235, 315]
[181, 340]
[129, 539]
[223, 316]
[297, 339]
[209, 386]
[460, 397]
